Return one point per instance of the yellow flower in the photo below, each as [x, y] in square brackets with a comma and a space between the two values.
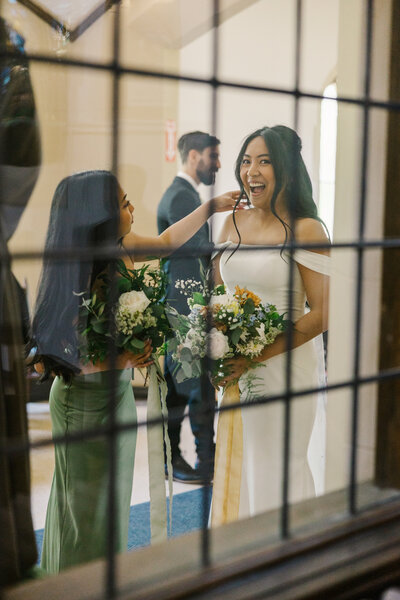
[243, 294]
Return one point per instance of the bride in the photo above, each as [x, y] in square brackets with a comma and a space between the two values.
[272, 174]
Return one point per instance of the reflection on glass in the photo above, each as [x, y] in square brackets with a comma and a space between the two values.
[327, 158]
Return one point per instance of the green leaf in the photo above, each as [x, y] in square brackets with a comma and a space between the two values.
[86, 303]
[180, 376]
[172, 344]
[199, 299]
[101, 309]
[248, 306]
[149, 291]
[124, 285]
[174, 320]
[186, 355]
[121, 268]
[196, 368]
[136, 344]
[157, 310]
[236, 335]
[219, 289]
[121, 339]
[99, 326]
[187, 369]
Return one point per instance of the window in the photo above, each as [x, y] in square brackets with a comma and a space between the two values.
[116, 83]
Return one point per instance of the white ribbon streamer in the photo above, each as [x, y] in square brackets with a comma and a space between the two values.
[157, 435]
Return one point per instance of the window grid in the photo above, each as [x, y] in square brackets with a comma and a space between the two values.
[359, 245]
[360, 264]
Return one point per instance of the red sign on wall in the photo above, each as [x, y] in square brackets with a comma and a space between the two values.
[170, 140]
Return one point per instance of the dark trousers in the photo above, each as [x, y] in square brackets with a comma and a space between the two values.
[199, 396]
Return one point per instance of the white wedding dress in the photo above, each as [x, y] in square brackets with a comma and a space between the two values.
[266, 273]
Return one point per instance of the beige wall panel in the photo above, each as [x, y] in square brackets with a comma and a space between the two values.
[75, 112]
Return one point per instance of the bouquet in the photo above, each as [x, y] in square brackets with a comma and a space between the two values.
[139, 313]
[220, 325]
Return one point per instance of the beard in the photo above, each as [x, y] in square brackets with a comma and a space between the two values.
[205, 175]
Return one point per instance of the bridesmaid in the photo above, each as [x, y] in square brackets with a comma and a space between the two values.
[91, 211]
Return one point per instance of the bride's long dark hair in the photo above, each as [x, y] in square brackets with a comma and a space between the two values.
[84, 216]
[291, 177]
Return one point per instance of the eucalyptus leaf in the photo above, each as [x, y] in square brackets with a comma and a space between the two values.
[172, 344]
[136, 344]
[180, 376]
[186, 355]
[187, 369]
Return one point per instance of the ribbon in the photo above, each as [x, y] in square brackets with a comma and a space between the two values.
[228, 461]
[157, 436]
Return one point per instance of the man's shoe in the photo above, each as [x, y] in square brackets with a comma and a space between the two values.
[183, 472]
[205, 469]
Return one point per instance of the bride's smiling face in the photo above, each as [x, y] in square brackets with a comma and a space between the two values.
[257, 173]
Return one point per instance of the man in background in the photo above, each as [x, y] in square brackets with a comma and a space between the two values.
[199, 153]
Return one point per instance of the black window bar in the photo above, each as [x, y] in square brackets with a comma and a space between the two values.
[360, 246]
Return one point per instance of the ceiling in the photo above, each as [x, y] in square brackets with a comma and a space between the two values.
[173, 22]
[70, 12]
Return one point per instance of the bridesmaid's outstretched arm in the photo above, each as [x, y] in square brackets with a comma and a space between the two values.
[145, 247]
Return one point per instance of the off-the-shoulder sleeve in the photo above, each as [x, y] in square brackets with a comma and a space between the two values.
[220, 248]
[321, 263]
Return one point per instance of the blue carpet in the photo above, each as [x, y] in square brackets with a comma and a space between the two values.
[187, 515]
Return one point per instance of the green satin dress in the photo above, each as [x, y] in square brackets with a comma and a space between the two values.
[78, 510]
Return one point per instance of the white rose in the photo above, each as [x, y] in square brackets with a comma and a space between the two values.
[196, 307]
[222, 299]
[217, 344]
[134, 301]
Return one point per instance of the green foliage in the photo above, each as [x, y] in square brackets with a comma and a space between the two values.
[199, 299]
[248, 307]
[97, 325]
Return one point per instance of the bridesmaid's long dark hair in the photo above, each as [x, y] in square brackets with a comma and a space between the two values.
[84, 216]
[291, 176]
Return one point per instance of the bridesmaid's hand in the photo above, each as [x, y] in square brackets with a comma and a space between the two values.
[129, 360]
[226, 202]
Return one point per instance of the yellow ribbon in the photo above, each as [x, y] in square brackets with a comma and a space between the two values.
[157, 435]
[228, 461]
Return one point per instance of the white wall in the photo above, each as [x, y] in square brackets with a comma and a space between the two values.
[351, 63]
[257, 46]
